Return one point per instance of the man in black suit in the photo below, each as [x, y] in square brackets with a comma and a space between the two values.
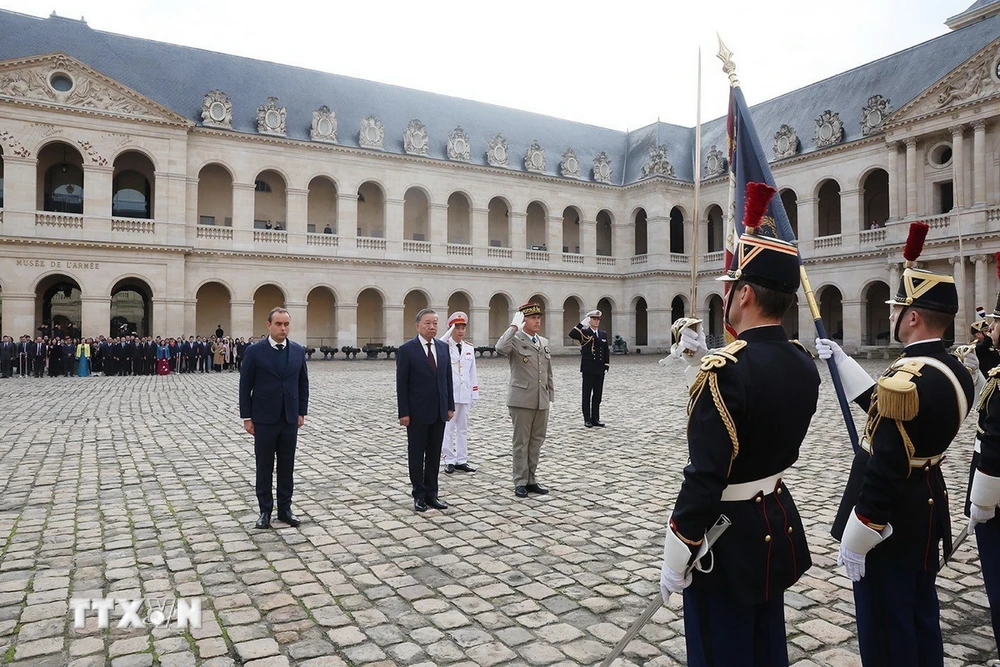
[274, 400]
[39, 353]
[426, 400]
[23, 355]
[595, 358]
[8, 354]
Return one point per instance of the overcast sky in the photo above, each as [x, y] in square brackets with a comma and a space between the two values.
[618, 63]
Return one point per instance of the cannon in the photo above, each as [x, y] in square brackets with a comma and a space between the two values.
[389, 350]
[482, 349]
[350, 352]
[371, 351]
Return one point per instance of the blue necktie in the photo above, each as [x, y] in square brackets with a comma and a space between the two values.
[534, 340]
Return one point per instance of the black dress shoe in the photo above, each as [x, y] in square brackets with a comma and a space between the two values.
[436, 504]
[450, 468]
[600, 424]
[289, 518]
[520, 492]
[464, 467]
[419, 506]
[536, 488]
[588, 424]
[263, 521]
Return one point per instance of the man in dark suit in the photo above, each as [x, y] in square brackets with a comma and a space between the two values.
[39, 353]
[8, 354]
[595, 358]
[274, 397]
[426, 400]
[23, 355]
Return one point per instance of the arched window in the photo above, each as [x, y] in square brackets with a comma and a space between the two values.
[605, 242]
[829, 209]
[676, 231]
[61, 186]
[716, 232]
[132, 194]
[640, 232]
[215, 198]
[876, 189]
[791, 203]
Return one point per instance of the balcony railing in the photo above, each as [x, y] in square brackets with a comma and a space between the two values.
[605, 261]
[678, 258]
[939, 221]
[828, 241]
[215, 233]
[717, 256]
[58, 219]
[993, 214]
[133, 225]
[417, 246]
[872, 235]
[269, 236]
[328, 240]
[370, 243]
[639, 259]
[499, 253]
[537, 256]
[459, 250]
[572, 258]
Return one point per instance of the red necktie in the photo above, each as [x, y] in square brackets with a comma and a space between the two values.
[430, 357]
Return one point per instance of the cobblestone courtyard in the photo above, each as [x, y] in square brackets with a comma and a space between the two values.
[143, 486]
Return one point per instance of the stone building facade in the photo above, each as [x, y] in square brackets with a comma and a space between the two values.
[149, 186]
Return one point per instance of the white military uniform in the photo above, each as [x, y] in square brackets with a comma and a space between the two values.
[465, 381]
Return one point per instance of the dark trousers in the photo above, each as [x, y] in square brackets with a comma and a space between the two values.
[38, 366]
[898, 616]
[593, 390]
[7, 367]
[988, 539]
[723, 633]
[423, 451]
[270, 442]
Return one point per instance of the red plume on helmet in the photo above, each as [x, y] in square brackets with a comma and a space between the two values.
[915, 242]
[758, 197]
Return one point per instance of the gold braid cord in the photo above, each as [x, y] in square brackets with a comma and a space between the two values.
[910, 449]
[727, 419]
[990, 388]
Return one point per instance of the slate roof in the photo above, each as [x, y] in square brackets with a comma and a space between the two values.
[178, 78]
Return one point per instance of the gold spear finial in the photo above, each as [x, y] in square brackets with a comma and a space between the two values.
[728, 65]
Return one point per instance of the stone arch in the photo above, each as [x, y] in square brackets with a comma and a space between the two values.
[641, 220]
[266, 296]
[678, 307]
[640, 309]
[131, 307]
[215, 195]
[716, 224]
[499, 222]
[321, 316]
[677, 217]
[371, 209]
[501, 312]
[828, 210]
[875, 327]
[875, 198]
[60, 178]
[460, 300]
[270, 200]
[133, 186]
[605, 233]
[213, 307]
[459, 218]
[607, 305]
[322, 205]
[716, 329]
[371, 316]
[831, 309]
[571, 218]
[573, 312]
[790, 201]
[536, 217]
[134, 149]
[58, 300]
[416, 214]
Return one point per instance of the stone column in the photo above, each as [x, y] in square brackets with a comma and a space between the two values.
[297, 201]
[911, 176]
[807, 330]
[347, 323]
[554, 238]
[480, 231]
[20, 196]
[347, 219]
[979, 167]
[658, 326]
[439, 230]
[395, 330]
[895, 268]
[807, 224]
[851, 211]
[518, 235]
[241, 317]
[479, 325]
[981, 293]
[299, 321]
[892, 149]
[95, 314]
[958, 271]
[190, 316]
[588, 238]
[243, 212]
[623, 324]
[958, 163]
[657, 237]
[552, 327]
[394, 228]
[853, 314]
[19, 315]
[97, 185]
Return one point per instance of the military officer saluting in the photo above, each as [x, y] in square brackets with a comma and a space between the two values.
[984, 484]
[465, 381]
[530, 394]
[749, 409]
[896, 488]
[595, 360]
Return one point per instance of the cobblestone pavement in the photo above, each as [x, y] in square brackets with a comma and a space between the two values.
[136, 487]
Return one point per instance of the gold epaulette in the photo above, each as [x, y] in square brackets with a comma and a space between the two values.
[897, 394]
[994, 372]
[796, 343]
[720, 358]
[992, 383]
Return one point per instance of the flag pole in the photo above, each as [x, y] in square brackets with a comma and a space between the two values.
[729, 220]
[729, 67]
[697, 197]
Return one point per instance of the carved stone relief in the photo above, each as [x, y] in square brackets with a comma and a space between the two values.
[496, 151]
[91, 152]
[372, 133]
[570, 166]
[324, 125]
[602, 168]
[973, 83]
[415, 141]
[13, 144]
[534, 157]
[657, 164]
[271, 118]
[874, 113]
[459, 147]
[217, 110]
[786, 142]
[829, 129]
[715, 163]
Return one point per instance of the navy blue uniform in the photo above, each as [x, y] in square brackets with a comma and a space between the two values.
[749, 411]
[896, 479]
[595, 357]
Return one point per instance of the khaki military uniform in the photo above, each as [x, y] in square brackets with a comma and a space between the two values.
[530, 392]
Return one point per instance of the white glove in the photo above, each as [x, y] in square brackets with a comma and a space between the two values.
[585, 323]
[672, 582]
[447, 334]
[853, 562]
[979, 514]
[971, 362]
[518, 320]
[826, 348]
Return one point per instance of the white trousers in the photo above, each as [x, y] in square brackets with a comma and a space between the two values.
[456, 431]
